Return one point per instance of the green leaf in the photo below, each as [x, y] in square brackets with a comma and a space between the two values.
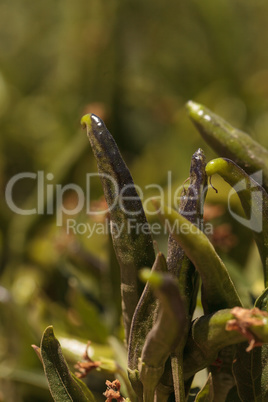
[206, 394]
[166, 334]
[132, 240]
[143, 320]
[229, 142]
[63, 385]
[218, 291]
[251, 368]
[250, 371]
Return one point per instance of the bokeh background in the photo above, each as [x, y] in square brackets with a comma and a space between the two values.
[135, 64]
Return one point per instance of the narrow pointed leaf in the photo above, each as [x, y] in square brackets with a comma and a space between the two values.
[62, 384]
[228, 141]
[218, 289]
[160, 342]
[143, 320]
[130, 230]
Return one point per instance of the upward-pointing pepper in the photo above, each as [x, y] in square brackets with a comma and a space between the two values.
[134, 247]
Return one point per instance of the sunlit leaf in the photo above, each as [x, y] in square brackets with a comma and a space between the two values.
[64, 387]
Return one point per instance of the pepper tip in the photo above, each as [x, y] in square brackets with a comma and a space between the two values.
[86, 121]
[195, 110]
[216, 166]
[154, 278]
[193, 106]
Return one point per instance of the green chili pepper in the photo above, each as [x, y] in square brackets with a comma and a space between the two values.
[230, 142]
[160, 342]
[254, 200]
[142, 322]
[130, 230]
[218, 289]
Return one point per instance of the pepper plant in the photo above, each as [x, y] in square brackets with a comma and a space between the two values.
[165, 346]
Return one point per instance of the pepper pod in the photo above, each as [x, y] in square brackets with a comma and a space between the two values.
[134, 246]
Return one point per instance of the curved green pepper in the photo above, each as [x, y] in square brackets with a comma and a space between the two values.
[254, 200]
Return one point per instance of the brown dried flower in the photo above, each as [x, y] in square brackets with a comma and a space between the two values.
[242, 322]
[113, 391]
[88, 365]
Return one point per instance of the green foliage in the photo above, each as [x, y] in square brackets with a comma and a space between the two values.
[63, 385]
[135, 65]
[166, 347]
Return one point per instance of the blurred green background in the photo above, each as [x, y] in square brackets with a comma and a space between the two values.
[135, 64]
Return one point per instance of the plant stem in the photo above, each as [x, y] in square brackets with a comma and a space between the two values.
[177, 373]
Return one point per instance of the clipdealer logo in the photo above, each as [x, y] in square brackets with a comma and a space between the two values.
[50, 196]
[50, 201]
